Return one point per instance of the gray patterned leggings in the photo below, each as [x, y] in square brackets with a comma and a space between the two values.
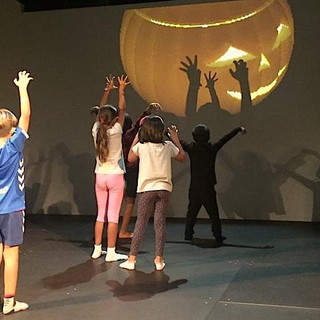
[151, 201]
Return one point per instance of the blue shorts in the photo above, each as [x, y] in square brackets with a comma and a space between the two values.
[12, 228]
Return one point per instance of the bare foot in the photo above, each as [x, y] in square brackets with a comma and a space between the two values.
[125, 235]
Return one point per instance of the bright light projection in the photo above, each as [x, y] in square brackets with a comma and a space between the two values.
[284, 32]
[264, 63]
[154, 41]
[201, 25]
[231, 54]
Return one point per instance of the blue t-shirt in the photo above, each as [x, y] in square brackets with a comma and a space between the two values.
[12, 194]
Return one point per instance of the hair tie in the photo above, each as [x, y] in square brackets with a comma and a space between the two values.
[101, 121]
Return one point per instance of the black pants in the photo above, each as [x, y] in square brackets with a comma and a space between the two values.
[208, 199]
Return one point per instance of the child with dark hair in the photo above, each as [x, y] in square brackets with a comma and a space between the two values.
[202, 154]
[13, 135]
[154, 183]
[109, 185]
[132, 170]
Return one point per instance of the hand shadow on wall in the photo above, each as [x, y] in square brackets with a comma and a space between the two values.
[142, 286]
[212, 113]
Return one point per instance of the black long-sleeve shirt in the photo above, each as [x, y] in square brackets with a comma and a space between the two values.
[203, 158]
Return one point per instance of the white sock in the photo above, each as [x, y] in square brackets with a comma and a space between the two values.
[128, 265]
[113, 256]
[10, 305]
[97, 251]
[111, 250]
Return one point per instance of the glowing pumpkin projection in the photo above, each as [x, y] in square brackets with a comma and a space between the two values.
[153, 42]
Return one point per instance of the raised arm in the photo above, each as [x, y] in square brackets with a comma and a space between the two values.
[194, 74]
[241, 74]
[123, 82]
[173, 133]
[211, 80]
[219, 144]
[22, 82]
[132, 157]
[152, 108]
[108, 88]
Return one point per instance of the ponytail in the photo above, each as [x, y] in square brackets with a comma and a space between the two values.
[102, 150]
[106, 115]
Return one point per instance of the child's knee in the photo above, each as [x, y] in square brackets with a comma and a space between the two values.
[113, 218]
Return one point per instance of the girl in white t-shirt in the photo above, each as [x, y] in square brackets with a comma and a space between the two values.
[154, 183]
[109, 185]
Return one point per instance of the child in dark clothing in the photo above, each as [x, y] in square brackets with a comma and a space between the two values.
[202, 154]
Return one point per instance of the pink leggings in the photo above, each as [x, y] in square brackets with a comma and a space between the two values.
[109, 194]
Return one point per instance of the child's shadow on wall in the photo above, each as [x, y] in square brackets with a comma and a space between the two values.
[81, 175]
[254, 190]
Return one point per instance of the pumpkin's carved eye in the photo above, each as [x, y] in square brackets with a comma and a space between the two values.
[284, 32]
[230, 55]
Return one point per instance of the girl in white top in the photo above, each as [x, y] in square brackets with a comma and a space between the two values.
[154, 183]
[109, 186]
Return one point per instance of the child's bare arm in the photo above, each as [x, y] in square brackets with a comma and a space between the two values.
[123, 82]
[109, 87]
[173, 133]
[22, 82]
[132, 157]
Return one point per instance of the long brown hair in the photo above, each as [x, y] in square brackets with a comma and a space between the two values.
[106, 115]
[152, 130]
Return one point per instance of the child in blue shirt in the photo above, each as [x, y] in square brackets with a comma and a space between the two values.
[13, 134]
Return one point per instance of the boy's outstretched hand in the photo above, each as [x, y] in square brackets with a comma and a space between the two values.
[23, 79]
[243, 130]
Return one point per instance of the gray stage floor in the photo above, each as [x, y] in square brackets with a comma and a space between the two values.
[264, 271]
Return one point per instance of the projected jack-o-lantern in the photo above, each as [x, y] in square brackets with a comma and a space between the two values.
[154, 41]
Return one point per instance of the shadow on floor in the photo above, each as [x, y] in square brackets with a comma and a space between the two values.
[75, 275]
[211, 243]
[140, 285]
